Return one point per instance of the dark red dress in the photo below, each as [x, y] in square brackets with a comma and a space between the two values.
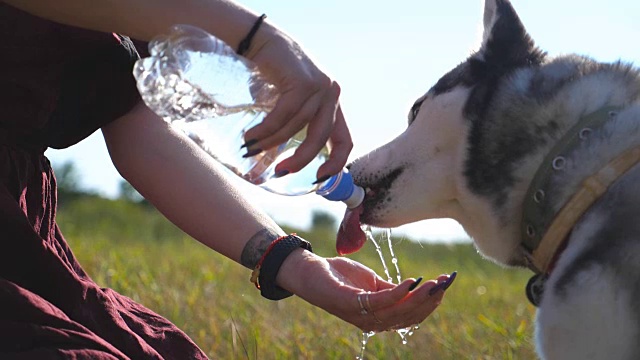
[59, 84]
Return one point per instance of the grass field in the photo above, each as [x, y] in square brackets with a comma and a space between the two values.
[129, 248]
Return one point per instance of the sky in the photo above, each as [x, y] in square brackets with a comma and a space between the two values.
[385, 55]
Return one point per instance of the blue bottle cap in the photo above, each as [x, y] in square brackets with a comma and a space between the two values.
[340, 187]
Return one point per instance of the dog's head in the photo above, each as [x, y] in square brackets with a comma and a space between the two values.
[442, 165]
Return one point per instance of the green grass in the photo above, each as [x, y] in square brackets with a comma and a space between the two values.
[485, 314]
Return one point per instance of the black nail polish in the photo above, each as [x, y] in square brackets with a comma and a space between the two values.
[449, 281]
[251, 153]
[415, 284]
[321, 180]
[281, 173]
[445, 284]
[249, 143]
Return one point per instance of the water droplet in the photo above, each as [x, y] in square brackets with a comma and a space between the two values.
[386, 235]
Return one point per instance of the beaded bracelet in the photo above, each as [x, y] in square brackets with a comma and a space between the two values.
[265, 272]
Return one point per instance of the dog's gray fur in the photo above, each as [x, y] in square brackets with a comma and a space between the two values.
[473, 144]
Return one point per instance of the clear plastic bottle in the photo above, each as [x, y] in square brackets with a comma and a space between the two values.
[201, 86]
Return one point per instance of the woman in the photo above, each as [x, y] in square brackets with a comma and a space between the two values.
[66, 74]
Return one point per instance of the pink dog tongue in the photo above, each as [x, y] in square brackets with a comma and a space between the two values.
[350, 236]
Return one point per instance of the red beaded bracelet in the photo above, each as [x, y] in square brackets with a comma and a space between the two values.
[265, 273]
[256, 271]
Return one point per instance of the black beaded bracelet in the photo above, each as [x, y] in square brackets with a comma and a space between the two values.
[273, 261]
[246, 42]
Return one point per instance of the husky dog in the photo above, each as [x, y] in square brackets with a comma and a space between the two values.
[519, 148]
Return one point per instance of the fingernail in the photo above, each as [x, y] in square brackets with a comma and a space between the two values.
[249, 143]
[321, 180]
[415, 284]
[449, 281]
[281, 173]
[251, 153]
[444, 285]
[435, 289]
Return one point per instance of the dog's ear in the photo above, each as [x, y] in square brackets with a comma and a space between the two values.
[489, 16]
[505, 42]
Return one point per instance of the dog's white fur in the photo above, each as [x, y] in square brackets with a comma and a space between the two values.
[592, 316]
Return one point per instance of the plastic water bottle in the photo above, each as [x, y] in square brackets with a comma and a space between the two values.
[200, 85]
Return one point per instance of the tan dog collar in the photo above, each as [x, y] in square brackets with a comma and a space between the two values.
[544, 231]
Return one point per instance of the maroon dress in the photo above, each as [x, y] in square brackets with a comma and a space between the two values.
[59, 84]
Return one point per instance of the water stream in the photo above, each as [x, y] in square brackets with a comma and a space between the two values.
[386, 235]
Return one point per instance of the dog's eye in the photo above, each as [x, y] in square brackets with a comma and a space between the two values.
[414, 110]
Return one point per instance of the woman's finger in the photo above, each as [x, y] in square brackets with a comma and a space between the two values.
[418, 305]
[372, 318]
[288, 105]
[391, 296]
[341, 146]
[318, 132]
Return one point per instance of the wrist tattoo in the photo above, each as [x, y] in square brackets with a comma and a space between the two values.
[256, 246]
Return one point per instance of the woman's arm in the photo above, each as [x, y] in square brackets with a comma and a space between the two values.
[187, 186]
[308, 96]
[144, 19]
[192, 191]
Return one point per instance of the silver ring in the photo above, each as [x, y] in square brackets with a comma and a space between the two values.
[370, 309]
[363, 311]
[366, 301]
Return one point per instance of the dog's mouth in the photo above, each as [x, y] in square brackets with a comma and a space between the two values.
[377, 192]
[350, 236]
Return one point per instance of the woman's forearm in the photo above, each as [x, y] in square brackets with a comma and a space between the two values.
[187, 186]
[144, 19]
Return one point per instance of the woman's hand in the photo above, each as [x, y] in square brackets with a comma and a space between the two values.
[354, 293]
[308, 97]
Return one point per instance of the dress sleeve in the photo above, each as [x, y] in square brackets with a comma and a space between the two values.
[96, 88]
[59, 83]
